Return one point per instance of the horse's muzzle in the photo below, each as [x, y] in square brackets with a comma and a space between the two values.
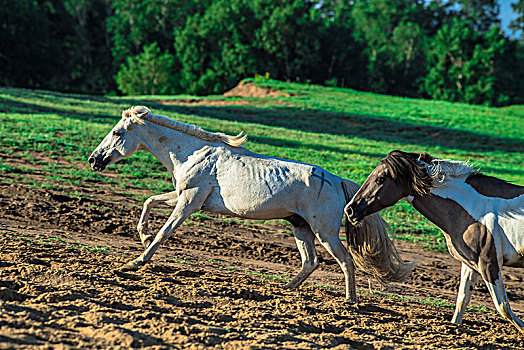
[97, 163]
[350, 214]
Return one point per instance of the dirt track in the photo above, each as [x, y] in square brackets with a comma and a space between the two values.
[213, 283]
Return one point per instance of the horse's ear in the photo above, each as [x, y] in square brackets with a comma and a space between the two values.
[425, 157]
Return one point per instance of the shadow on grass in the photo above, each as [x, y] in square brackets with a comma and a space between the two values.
[354, 125]
[295, 118]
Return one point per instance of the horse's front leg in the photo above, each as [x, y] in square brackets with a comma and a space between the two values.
[146, 234]
[468, 277]
[189, 201]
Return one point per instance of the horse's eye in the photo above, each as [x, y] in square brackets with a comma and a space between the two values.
[380, 179]
[117, 133]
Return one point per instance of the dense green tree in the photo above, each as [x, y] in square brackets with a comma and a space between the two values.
[462, 64]
[150, 72]
[446, 49]
[86, 47]
[28, 53]
[517, 24]
[233, 39]
[394, 43]
[342, 58]
[216, 48]
[289, 39]
[135, 23]
[482, 14]
[55, 45]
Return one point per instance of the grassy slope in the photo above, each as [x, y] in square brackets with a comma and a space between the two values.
[344, 131]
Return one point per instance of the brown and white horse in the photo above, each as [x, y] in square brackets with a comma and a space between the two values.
[482, 217]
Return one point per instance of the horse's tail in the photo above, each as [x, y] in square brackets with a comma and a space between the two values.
[370, 246]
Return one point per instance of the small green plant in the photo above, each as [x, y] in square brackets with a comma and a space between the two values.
[266, 276]
[180, 261]
[99, 249]
[230, 221]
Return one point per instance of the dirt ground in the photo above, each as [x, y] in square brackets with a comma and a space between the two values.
[213, 284]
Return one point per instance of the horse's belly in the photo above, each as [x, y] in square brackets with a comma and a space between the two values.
[248, 206]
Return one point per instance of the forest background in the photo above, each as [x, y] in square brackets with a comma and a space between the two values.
[448, 50]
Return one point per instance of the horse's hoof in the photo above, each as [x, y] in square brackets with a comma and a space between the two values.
[146, 243]
[130, 266]
[291, 285]
[352, 300]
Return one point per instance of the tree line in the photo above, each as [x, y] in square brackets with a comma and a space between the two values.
[451, 50]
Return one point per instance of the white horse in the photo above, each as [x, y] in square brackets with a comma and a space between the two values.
[212, 172]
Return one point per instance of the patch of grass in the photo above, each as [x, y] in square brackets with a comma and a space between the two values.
[230, 221]
[480, 308]
[97, 249]
[4, 168]
[180, 261]
[268, 276]
[434, 302]
[56, 240]
[200, 217]
[228, 268]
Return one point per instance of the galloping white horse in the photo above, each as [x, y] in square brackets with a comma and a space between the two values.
[212, 172]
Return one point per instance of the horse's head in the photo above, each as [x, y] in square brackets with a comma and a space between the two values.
[122, 141]
[399, 175]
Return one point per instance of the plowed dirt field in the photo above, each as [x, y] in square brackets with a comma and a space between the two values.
[214, 283]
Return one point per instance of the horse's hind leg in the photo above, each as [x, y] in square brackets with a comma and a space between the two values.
[468, 277]
[305, 240]
[335, 247]
[146, 234]
[500, 299]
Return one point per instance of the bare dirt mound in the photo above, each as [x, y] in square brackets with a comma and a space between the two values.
[203, 102]
[243, 89]
[249, 89]
[214, 284]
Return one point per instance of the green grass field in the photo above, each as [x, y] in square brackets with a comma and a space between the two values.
[345, 131]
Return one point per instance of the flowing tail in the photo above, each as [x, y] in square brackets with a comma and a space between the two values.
[370, 246]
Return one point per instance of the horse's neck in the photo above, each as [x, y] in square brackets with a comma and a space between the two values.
[448, 200]
[170, 147]
[441, 211]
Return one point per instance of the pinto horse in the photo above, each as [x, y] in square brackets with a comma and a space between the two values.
[212, 172]
[482, 217]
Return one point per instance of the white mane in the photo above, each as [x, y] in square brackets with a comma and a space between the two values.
[440, 169]
[140, 113]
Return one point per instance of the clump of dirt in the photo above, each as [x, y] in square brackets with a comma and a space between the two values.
[249, 89]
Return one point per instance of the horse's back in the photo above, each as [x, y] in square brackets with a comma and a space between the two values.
[256, 186]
